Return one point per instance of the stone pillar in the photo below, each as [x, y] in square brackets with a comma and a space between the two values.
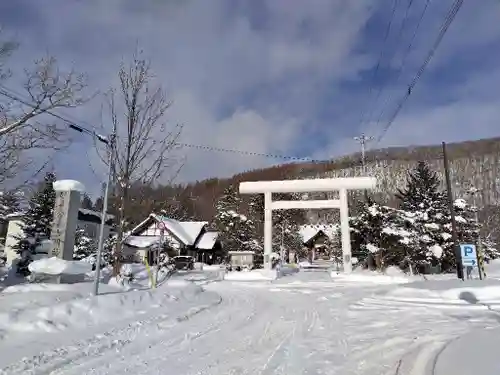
[68, 199]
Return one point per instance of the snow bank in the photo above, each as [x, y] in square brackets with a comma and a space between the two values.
[63, 307]
[137, 276]
[493, 269]
[208, 267]
[447, 294]
[67, 185]
[288, 269]
[253, 275]
[57, 266]
[391, 276]
[307, 264]
[213, 267]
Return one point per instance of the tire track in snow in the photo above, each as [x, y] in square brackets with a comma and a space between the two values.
[49, 361]
[400, 337]
[249, 335]
[168, 342]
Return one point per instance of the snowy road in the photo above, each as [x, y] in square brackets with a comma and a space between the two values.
[302, 324]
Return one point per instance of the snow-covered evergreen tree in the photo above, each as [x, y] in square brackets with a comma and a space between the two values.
[286, 226]
[236, 230]
[10, 203]
[87, 202]
[36, 222]
[375, 236]
[256, 214]
[84, 246]
[107, 251]
[470, 230]
[426, 214]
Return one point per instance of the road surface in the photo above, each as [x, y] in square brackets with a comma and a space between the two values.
[301, 324]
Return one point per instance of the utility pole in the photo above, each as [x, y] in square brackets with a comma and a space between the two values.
[363, 140]
[458, 254]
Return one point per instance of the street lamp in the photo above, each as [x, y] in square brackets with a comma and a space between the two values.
[110, 147]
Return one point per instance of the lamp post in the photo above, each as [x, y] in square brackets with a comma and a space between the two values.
[104, 213]
[110, 148]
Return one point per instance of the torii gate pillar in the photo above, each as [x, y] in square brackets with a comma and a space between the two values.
[305, 186]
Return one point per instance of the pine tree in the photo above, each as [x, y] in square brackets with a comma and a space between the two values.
[422, 189]
[236, 230]
[286, 225]
[256, 214]
[9, 203]
[374, 236]
[469, 230]
[85, 247]
[36, 222]
[87, 202]
[426, 215]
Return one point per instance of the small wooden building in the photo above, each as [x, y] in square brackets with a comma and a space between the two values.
[191, 238]
[317, 239]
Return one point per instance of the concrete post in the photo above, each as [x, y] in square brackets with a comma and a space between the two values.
[344, 229]
[268, 230]
[68, 199]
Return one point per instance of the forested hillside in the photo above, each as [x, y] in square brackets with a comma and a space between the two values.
[472, 163]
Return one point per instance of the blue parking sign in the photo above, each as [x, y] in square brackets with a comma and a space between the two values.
[469, 255]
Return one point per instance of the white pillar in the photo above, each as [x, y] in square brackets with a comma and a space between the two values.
[344, 229]
[268, 230]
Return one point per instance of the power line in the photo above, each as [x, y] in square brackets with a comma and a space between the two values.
[67, 117]
[247, 153]
[396, 42]
[379, 61]
[71, 124]
[74, 125]
[444, 28]
[406, 54]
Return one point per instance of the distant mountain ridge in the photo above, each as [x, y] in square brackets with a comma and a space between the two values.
[472, 163]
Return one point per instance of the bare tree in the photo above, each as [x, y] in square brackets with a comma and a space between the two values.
[23, 126]
[143, 150]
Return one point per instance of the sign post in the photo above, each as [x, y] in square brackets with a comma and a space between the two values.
[469, 257]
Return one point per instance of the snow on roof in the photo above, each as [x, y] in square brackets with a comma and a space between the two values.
[192, 229]
[185, 231]
[207, 240]
[95, 213]
[308, 231]
[67, 185]
[142, 241]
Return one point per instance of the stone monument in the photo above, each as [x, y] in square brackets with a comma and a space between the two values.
[68, 200]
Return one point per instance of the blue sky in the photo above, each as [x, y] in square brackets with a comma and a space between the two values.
[286, 77]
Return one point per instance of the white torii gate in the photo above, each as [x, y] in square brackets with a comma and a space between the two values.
[305, 186]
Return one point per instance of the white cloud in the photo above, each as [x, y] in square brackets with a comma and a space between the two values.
[260, 76]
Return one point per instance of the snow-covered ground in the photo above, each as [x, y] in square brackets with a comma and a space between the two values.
[305, 323]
